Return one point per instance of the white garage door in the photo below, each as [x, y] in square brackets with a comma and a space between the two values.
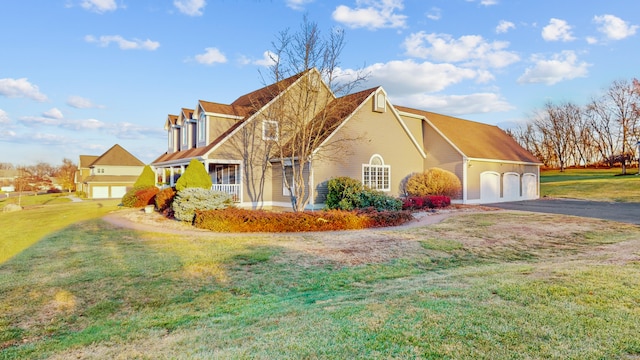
[489, 187]
[118, 191]
[100, 192]
[511, 187]
[529, 186]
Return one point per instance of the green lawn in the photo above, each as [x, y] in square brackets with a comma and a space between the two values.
[591, 184]
[478, 286]
[41, 216]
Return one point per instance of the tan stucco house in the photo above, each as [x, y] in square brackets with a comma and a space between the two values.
[393, 142]
[107, 176]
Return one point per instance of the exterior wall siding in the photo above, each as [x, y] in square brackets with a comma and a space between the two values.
[441, 154]
[377, 133]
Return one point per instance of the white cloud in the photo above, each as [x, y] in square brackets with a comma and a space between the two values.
[557, 30]
[456, 105]
[486, 2]
[591, 40]
[471, 50]
[560, 67]
[17, 88]
[408, 77]
[434, 14]
[190, 7]
[614, 28]
[504, 26]
[268, 59]
[371, 14]
[4, 117]
[83, 125]
[79, 102]
[211, 56]
[298, 4]
[99, 6]
[124, 44]
[53, 113]
[50, 139]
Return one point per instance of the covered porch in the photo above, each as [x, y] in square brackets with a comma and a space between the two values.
[225, 176]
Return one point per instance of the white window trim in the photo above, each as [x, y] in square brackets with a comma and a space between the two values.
[265, 125]
[376, 173]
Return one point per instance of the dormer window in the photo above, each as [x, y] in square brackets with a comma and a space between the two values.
[270, 130]
[185, 135]
[380, 102]
[202, 125]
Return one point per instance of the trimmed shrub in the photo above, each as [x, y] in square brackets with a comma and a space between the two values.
[343, 193]
[425, 202]
[434, 181]
[164, 198]
[187, 201]
[146, 179]
[385, 218]
[242, 220]
[195, 176]
[379, 201]
[140, 197]
[130, 198]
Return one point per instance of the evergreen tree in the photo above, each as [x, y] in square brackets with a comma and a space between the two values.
[195, 176]
[146, 179]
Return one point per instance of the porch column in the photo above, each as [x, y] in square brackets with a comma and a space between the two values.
[171, 180]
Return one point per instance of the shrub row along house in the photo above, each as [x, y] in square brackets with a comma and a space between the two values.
[252, 147]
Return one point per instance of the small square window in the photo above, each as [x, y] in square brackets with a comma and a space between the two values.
[270, 130]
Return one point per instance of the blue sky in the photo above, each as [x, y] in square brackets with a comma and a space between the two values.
[78, 76]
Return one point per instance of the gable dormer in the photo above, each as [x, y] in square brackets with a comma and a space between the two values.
[184, 130]
[170, 126]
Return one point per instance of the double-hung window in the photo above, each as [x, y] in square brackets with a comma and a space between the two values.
[376, 175]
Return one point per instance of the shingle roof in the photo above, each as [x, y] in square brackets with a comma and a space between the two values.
[233, 110]
[196, 152]
[259, 98]
[117, 156]
[110, 179]
[474, 139]
[87, 160]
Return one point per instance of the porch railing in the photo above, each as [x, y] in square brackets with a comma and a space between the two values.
[231, 189]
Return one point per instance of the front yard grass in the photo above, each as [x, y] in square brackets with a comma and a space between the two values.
[42, 215]
[479, 286]
[591, 184]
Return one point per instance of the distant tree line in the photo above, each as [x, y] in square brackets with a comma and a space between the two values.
[604, 132]
[43, 176]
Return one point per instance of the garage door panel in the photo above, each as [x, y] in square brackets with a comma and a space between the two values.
[489, 187]
[118, 191]
[100, 192]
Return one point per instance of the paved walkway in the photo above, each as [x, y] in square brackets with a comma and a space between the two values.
[622, 212]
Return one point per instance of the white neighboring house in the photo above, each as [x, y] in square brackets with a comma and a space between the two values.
[109, 175]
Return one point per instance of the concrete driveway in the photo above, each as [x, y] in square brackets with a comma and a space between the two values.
[622, 212]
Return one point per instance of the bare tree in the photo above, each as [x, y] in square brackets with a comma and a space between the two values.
[307, 116]
[616, 120]
[555, 124]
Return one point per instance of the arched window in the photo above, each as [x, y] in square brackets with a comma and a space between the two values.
[376, 175]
